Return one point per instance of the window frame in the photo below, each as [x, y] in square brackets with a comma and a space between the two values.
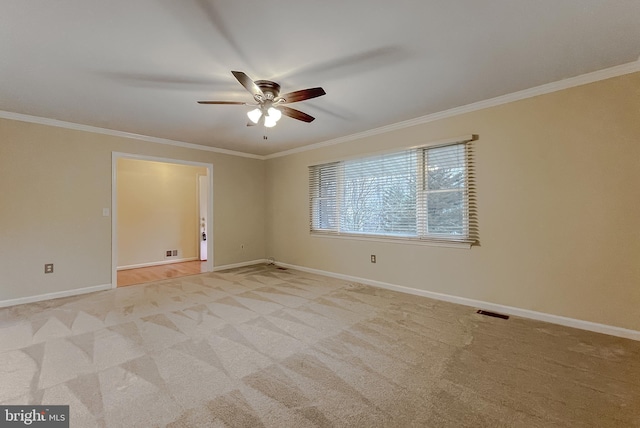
[315, 199]
[421, 237]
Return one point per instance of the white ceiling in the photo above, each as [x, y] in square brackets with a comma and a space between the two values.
[140, 66]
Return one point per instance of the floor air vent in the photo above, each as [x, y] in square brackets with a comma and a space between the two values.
[492, 314]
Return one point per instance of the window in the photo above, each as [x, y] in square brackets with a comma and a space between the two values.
[422, 194]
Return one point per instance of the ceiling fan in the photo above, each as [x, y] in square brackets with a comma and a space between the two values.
[270, 104]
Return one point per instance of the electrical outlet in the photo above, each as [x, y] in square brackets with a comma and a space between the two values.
[168, 253]
[48, 268]
[174, 253]
[373, 258]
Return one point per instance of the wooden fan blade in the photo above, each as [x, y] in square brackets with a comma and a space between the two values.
[240, 103]
[248, 83]
[296, 114]
[304, 94]
[250, 123]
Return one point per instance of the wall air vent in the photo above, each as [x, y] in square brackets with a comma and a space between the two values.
[492, 314]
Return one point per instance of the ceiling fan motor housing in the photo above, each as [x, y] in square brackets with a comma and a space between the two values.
[269, 89]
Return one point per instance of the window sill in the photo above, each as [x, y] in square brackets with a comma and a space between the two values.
[406, 241]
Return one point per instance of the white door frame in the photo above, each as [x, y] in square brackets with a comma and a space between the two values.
[114, 207]
[203, 214]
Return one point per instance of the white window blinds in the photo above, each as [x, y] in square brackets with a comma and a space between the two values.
[425, 193]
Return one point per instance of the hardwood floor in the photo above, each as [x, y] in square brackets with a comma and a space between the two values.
[155, 273]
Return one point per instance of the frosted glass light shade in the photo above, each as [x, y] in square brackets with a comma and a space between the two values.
[254, 115]
[269, 122]
[274, 113]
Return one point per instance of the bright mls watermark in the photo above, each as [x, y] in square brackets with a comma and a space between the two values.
[34, 416]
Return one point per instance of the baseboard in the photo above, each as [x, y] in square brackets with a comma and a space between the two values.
[163, 262]
[56, 295]
[77, 291]
[493, 307]
[238, 265]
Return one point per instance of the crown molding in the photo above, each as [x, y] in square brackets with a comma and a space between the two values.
[560, 85]
[79, 127]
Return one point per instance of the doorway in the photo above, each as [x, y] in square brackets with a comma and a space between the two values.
[161, 218]
[157, 273]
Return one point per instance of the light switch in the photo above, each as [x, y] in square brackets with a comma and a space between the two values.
[105, 212]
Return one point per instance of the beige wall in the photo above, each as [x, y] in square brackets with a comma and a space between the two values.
[558, 200]
[157, 211]
[558, 180]
[54, 183]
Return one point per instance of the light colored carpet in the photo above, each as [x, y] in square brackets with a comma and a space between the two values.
[259, 346]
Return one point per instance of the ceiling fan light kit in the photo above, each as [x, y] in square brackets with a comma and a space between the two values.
[271, 117]
[270, 105]
[254, 115]
[269, 122]
[274, 113]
